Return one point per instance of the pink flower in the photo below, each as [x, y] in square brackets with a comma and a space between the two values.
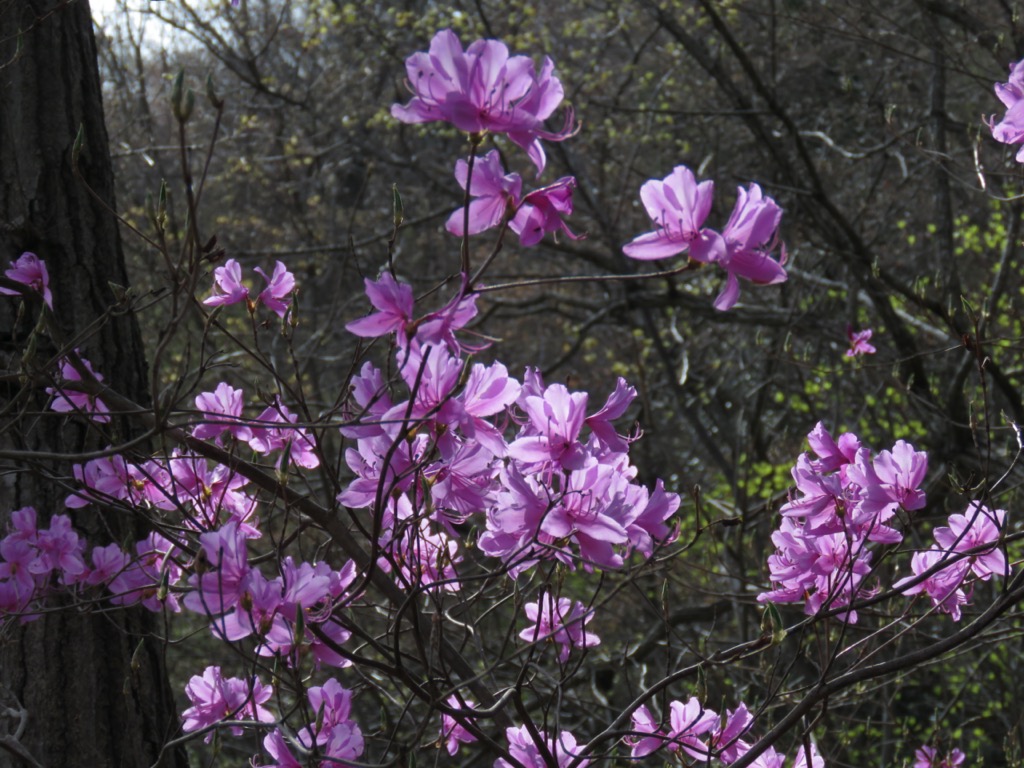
[227, 285]
[394, 304]
[977, 527]
[484, 89]
[859, 342]
[749, 236]
[107, 563]
[72, 401]
[556, 418]
[452, 732]
[943, 586]
[650, 738]
[223, 401]
[928, 757]
[1010, 130]
[725, 738]
[494, 194]
[688, 723]
[60, 549]
[221, 586]
[678, 205]
[30, 270]
[333, 707]
[542, 211]
[524, 749]
[561, 621]
[276, 746]
[215, 698]
[266, 439]
[280, 286]
[805, 760]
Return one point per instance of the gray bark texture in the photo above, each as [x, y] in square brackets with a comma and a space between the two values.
[90, 685]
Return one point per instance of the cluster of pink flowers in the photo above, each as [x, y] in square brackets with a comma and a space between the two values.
[561, 488]
[215, 698]
[333, 735]
[557, 752]
[497, 198]
[447, 441]
[678, 206]
[229, 289]
[30, 559]
[845, 501]
[701, 735]
[483, 89]
[969, 544]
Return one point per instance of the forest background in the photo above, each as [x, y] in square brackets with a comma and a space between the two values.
[865, 121]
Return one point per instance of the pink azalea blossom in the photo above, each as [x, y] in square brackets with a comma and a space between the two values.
[808, 757]
[556, 418]
[296, 440]
[928, 757]
[1010, 130]
[859, 342]
[543, 211]
[223, 401]
[494, 194]
[60, 549]
[725, 738]
[688, 721]
[227, 285]
[220, 586]
[394, 304]
[140, 581]
[277, 296]
[333, 707]
[277, 747]
[832, 454]
[107, 563]
[678, 205]
[649, 737]
[746, 244]
[30, 270]
[561, 621]
[453, 734]
[978, 526]
[524, 749]
[944, 587]
[845, 500]
[439, 327]
[484, 89]
[215, 698]
[73, 401]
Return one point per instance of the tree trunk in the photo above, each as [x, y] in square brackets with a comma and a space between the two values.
[92, 684]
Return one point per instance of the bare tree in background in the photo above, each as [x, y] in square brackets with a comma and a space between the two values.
[78, 688]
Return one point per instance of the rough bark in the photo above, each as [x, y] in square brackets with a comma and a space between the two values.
[93, 684]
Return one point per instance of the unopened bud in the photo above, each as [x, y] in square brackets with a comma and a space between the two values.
[211, 94]
[177, 91]
[182, 101]
[399, 209]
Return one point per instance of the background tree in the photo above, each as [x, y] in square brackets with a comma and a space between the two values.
[862, 121]
[78, 688]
